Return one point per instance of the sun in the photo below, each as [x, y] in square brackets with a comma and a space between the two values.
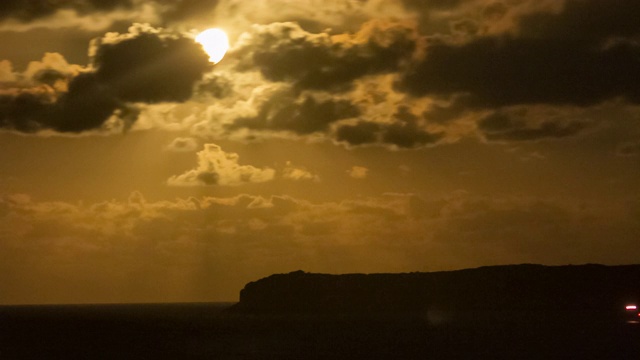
[215, 43]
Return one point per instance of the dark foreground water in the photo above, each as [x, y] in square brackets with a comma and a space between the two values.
[200, 331]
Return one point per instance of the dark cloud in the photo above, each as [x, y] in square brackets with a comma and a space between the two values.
[465, 27]
[304, 116]
[216, 86]
[591, 20]
[285, 52]
[444, 113]
[149, 68]
[87, 105]
[583, 54]
[436, 16]
[361, 133]
[49, 76]
[495, 11]
[26, 10]
[500, 71]
[407, 135]
[24, 112]
[70, 13]
[405, 132]
[580, 54]
[145, 68]
[501, 126]
[432, 4]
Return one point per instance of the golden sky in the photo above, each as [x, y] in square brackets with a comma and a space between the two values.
[334, 136]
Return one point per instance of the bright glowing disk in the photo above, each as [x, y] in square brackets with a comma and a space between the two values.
[215, 42]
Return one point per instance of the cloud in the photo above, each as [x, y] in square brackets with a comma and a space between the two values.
[98, 15]
[292, 172]
[599, 21]
[406, 133]
[404, 130]
[304, 115]
[150, 67]
[145, 65]
[358, 172]
[87, 105]
[216, 85]
[312, 15]
[215, 167]
[372, 114]
[183, 145]
[286, 52]
[539, 59]
[402, 74]
[360, 133]
[6, 72]
[27, 10]
[87, 15]
[517, 126]
[504, 71]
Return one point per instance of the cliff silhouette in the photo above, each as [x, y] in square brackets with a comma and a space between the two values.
[586, 289]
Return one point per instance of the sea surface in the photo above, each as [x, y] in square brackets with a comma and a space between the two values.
[207, 331]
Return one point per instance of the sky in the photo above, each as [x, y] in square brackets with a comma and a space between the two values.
[335, 136]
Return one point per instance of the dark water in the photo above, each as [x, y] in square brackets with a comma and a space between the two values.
[202, 331]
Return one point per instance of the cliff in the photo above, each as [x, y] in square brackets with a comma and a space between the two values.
[583, 288]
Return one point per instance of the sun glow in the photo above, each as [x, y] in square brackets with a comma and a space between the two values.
[215, 43]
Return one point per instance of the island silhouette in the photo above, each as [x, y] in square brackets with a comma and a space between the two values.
[509, 290]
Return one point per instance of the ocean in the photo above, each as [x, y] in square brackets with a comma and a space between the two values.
[206, 331]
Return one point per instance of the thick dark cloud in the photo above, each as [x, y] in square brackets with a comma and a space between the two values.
[49, 76]
[285, 52]
[500, 126]
[216, 86]
[583, 54]
[149, 68]
[145, 68]
[405, 132]
[305, 116]
[592, 20]
[361, 133]
[26, 10]
[425, 5]
[445, 113]
[86, 106]
[24, 112]
[502, 71]
[165, 11]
